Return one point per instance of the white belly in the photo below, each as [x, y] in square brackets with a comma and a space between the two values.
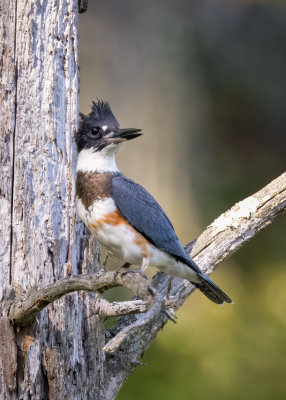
[118, 239]
[125, 243]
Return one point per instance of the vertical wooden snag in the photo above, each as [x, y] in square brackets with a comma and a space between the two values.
[40, 241]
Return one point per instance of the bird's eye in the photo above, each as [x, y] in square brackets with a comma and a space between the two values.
[95, 130]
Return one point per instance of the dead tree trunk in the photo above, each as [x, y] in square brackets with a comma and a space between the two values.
[53, 344]
[40, 241]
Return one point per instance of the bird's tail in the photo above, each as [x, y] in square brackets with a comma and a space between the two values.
[211, 290]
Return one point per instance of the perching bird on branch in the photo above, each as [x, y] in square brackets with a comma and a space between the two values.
[121, 214]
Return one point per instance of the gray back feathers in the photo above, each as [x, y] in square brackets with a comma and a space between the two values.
[143, 212]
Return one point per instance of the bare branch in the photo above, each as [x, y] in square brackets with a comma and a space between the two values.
[134, 334]
[105, 309]
[228, 233]
[134, 330]
[234, 228]
[25, 306]
[238, 225]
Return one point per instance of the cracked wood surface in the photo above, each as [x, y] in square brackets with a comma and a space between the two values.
[40, 241]
[7, 112]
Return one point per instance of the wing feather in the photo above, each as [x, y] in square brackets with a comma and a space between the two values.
[143, 212]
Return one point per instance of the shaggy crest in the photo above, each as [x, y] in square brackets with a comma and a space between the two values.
[100, 111]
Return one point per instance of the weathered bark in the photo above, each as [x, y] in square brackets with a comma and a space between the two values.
[40, 239]
[59, 349]
[7, 112]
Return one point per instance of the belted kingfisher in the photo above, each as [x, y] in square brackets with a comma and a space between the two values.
[121, 214]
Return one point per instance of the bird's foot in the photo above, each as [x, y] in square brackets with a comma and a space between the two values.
[141, 270]
[124, 266]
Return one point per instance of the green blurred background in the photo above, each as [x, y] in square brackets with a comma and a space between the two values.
[206, 80]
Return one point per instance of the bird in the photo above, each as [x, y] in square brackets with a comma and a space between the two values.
[123, 215]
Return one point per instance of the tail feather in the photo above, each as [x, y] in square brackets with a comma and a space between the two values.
[211, 290]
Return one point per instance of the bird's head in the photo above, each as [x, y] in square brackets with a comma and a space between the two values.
[100, 129]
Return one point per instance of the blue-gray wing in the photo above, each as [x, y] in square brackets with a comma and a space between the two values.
[143, 212]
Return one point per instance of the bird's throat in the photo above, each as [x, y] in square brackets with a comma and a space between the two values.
[90, 160]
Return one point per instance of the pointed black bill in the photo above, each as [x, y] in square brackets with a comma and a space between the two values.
[127, 134]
